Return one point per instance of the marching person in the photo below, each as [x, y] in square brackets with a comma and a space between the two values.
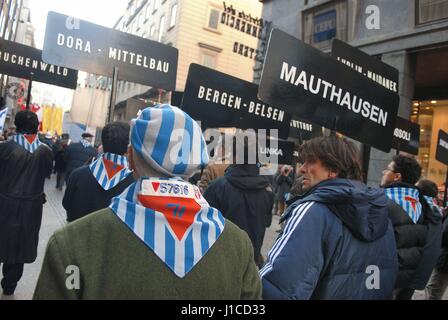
[417, 225]
[91, 188]
[245, 198]
[24, 164]
[159, 239]
[438, 283]
[338, 242]
[78, 154]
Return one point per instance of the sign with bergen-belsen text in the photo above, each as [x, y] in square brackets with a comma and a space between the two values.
[406, 136]
[219, 100]
[442, 147]
[370, 67]
[20, 61]
[86, 46]
[316, 87]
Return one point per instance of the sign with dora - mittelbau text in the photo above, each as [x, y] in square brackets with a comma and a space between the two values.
[316, 87]
[370, 67]
[20, 61]
[442, 147]
[220, 100]
[86, 46]
[406, 136]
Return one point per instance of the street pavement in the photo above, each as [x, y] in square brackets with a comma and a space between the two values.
[54, 217]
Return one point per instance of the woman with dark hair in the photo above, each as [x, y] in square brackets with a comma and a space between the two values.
[24, 164]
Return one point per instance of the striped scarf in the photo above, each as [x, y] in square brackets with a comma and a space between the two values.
[172, 218]
[408, 199]
[110, 169]
[30, 142]
[85, 143]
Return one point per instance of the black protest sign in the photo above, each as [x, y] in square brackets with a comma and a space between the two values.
[19, 61]
[316, 87]
[303, 130]
[89, 47]
[370, 67]
[282, 149]
[406, 136]
[176, 98]
[220, 100]
[442, 147]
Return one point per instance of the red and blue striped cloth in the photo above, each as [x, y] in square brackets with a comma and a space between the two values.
[110, 169]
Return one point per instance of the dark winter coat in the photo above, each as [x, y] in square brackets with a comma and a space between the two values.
[22, 177]
[245, 198]
[336, 241]
[442, 263]
[418, 244]
[76, 155]
[284, 184]
[84, 194]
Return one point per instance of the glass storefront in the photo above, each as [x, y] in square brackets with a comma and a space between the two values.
[432, 116]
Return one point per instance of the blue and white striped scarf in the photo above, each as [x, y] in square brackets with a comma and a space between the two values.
[30, 142]
[110, 169]
[172, 218]
[85, 143]
[408, 199]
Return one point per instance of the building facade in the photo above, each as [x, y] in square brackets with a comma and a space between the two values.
[15, 25]
[410, 35]
[222, 35]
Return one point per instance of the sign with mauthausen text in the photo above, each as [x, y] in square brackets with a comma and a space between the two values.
[316, 87]
[442, 147]
[92, 48]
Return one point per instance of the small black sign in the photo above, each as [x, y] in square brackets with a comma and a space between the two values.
[220, 100]
[89, 47]
[316, 87]
[303, 130]
[406, 136]
[284, 150]
[19, 61]
[370, 67]
[442, 147]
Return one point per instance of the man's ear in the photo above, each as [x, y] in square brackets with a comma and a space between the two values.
[397, 177]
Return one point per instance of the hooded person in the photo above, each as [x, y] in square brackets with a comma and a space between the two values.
[417, 222]
[79, 154]
[245, 198]
[338, 242]
[159, 239]
[92, 187]
[24, 164]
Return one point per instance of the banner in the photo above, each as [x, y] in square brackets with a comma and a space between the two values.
[19, 61]
[442, 147]
[92, 48]
[316, 87]
[406, 136]
[90, 106]
[220, 100]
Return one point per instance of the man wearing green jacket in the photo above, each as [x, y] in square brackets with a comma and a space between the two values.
[159, 239]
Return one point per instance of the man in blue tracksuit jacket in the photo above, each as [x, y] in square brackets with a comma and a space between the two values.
[338, 242]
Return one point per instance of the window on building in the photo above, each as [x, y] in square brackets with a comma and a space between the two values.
[209, 60]
[161, 28]
[213, 19]
[148, 10]
[324, 23]
[173, 15]
[432, 10]
[152, 31]
[156, 4]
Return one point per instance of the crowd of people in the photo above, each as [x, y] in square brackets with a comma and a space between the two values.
[148, 217]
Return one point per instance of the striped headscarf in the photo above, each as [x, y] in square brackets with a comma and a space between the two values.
[172, 218]
[408, 199]
[169, 140]
[30, 142]
[110, 169]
